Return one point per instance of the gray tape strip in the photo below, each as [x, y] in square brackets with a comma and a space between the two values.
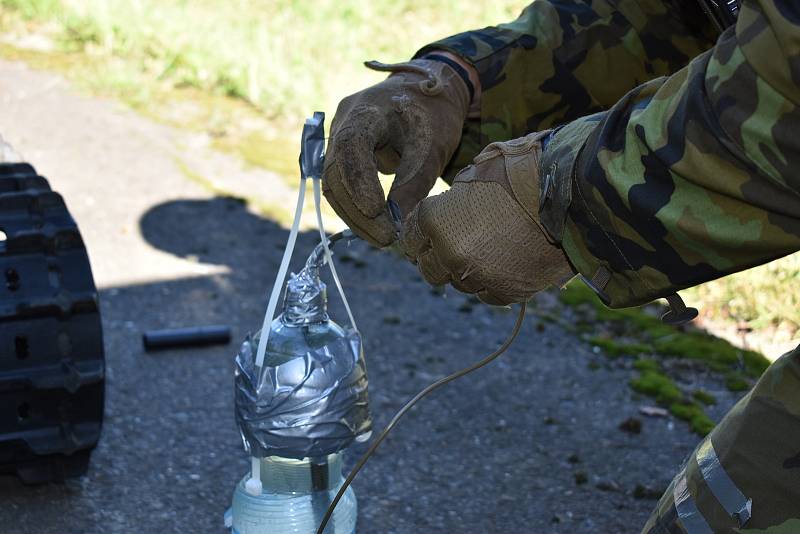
[721, 485]
[688, 514]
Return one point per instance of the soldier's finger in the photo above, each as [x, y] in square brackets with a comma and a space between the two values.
[418, 167]
[350, 176]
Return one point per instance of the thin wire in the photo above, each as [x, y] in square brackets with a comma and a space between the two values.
[410, 404]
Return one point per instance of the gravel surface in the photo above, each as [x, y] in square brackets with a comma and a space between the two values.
[530, 444]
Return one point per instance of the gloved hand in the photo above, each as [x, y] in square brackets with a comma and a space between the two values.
[409, 124]
[483, 235]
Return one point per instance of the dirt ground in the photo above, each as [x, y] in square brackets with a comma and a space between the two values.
[530, 444]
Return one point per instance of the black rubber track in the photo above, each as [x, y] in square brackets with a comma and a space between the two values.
[52, 366]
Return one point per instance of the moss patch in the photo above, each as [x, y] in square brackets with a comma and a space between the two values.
[736, 381]
[694, 414]
[704, 397]
[276, 154]
[614, 349]
[657, 385]
[651, 335]
[577, 294]
[646, 365]
[634, 332]
[717, 352]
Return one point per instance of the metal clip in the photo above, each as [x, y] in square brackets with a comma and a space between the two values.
[312, 146]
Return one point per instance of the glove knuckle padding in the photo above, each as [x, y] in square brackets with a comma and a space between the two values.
[432, 269]
[485, 231]
[492, 242]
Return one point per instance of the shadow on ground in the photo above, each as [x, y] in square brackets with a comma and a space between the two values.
[529, 444]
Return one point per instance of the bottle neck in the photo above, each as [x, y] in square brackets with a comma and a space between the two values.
[306, 299]
[285, 475]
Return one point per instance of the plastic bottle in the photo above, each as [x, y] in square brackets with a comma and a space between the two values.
[295, 496]
[297, 413]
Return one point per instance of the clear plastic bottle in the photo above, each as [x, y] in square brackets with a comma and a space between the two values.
[297, 414]
[294, 499]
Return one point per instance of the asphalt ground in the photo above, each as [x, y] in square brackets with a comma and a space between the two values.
[529, 444]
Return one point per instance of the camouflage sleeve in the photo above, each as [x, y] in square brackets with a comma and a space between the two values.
[563, 59]
[687, 178]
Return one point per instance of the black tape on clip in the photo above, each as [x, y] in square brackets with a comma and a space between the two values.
[312, 146]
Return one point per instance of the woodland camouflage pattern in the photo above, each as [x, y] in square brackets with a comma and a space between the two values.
[650, 205]
[683, 180]
[563, 59]
[689, 178]
[758, 444]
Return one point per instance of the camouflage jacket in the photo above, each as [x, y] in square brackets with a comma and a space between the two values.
[651, 183]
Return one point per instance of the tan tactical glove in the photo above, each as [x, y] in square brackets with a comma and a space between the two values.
[409, 124]
[483, 236]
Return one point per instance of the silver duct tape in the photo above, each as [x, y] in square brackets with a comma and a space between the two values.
[688, 514]
[312, 400]
[306, 297]
[724, 489]
[312, 146]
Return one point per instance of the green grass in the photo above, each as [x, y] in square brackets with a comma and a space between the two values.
[757, 297]
[246, 71]
[284, 57]
[249, 71]
[717, 352]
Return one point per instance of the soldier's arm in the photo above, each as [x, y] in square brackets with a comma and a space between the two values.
[687, 178]
[562, 60]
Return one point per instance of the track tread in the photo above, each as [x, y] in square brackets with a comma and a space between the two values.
[52, 365]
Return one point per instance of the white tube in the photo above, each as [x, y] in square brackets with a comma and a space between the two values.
[328, 257]
[276, 289]
[253, 484]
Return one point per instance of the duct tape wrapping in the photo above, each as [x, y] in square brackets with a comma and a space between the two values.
[688, 514]
[306, 298]
[312, 146]
[721, 485]
[311, 399]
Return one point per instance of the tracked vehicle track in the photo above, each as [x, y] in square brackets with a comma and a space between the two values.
[52, 366]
